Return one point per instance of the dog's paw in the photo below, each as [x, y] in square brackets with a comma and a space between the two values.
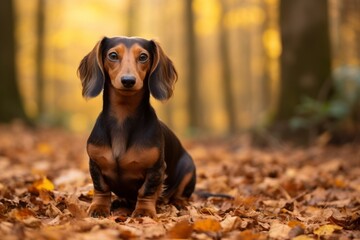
[97, 211]
[144, 212]
[180, 203]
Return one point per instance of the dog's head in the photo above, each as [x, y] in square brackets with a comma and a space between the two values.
[128, 63]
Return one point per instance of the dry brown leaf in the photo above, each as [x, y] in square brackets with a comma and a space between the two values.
[45, 196]
[76, 211]
[279, 230]
[230, 223]
[269, 186]
[22, 213]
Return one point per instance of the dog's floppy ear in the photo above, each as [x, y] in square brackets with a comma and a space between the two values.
[91, 72]
[163, 75]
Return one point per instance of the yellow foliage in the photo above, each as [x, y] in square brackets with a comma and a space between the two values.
[327, 229]
[207, 16]
[43, 184]
[244, 17]
[271, 42]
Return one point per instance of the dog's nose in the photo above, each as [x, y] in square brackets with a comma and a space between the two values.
[128, 81]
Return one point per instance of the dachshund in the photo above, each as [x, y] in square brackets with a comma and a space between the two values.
[132, 153]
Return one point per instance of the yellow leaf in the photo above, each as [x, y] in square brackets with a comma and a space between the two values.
[44, 184]
[207, 225]
[327, 229]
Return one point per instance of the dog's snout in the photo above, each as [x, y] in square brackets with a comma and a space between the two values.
[128, 81]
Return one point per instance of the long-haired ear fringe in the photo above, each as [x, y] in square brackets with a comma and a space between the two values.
[91, 72]
[163, 74]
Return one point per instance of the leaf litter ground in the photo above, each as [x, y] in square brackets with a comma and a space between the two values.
[281, 192]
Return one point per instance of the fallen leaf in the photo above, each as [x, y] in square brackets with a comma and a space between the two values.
[76, 211]
[279, 230]
[43, 184]
[207, 225]
[327, 229]
[294, 223]
[248, 235]
[230, 223]
[22, 213]
[302, 237]
[350, 223]
[45, 196]
[181, 230]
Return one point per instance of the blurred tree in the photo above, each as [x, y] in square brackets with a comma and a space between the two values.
[305, 59]
[10, 102]
[40, 85]
[193, 92]
[131, 17]
[226, 70]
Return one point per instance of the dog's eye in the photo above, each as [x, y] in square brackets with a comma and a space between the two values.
[143, 58]
[113, 56]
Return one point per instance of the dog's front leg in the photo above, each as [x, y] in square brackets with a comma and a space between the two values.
[150, 191]
[100, 206]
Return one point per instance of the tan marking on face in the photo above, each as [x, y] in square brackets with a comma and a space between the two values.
[128, 63]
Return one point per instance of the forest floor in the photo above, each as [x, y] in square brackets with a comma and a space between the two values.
[279, 192]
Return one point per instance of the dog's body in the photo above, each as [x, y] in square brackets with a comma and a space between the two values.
[132, 153]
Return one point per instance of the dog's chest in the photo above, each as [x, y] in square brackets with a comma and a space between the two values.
[130, 164]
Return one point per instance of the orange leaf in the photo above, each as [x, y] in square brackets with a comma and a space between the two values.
[181, 230]
[249, 235]
[22, 213]
[207, 225]
[294, 223]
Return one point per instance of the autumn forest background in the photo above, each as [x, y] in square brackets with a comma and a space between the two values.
[267, 103]
[242, 64]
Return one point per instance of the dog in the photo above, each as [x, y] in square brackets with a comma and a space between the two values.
[132, 153]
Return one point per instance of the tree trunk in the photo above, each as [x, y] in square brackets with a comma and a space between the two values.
[10, 101]
[193, 93]
[226, 72]
[40, 84]
[131, 17]
[305, 59]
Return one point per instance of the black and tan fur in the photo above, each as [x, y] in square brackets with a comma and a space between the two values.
[132, 153]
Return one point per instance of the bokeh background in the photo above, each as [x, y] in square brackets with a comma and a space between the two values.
[242, 64]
